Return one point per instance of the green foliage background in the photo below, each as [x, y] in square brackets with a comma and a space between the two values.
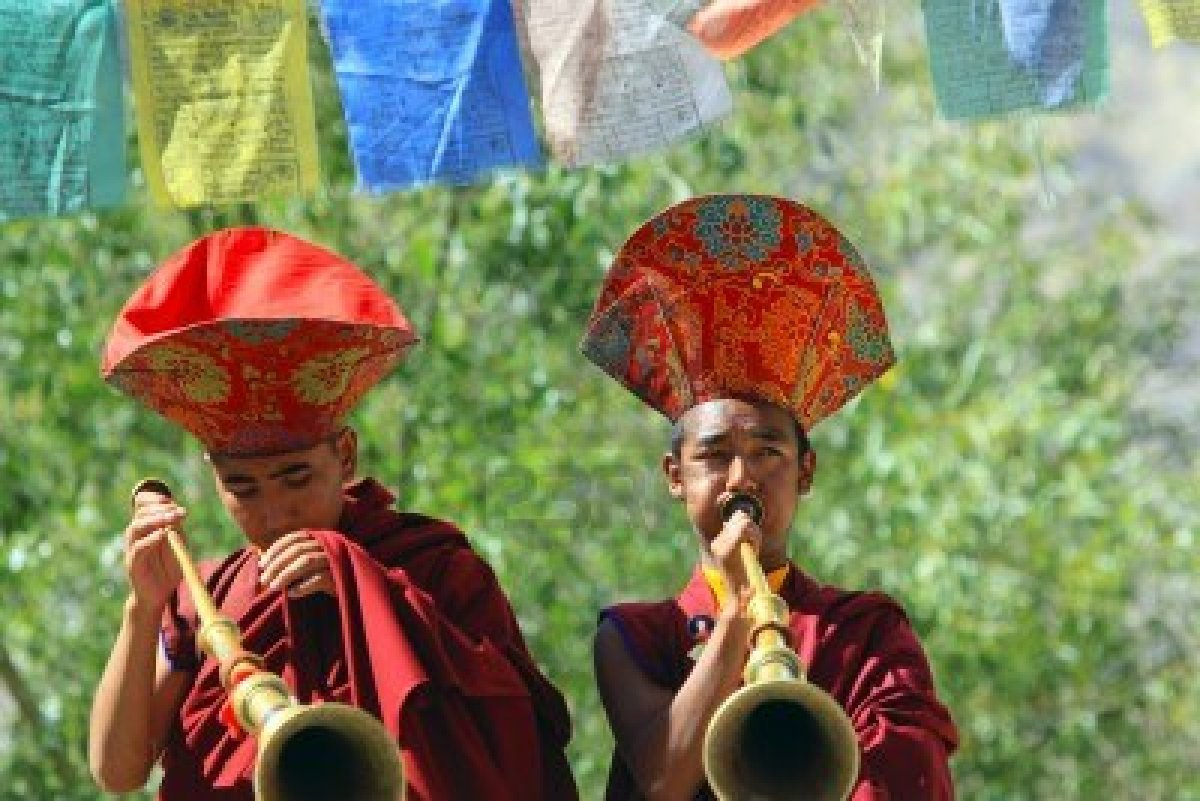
[1001, 482]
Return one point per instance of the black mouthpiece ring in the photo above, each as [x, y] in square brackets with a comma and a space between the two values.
[744, 502]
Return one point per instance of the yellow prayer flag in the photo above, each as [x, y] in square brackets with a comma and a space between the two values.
[224, 107]
[1171, 20]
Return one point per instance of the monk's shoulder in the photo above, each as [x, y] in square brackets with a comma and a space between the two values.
[653, 634]
[857, 607]
[649, 615]
[437, 556]
[856, 632]
[401, 538]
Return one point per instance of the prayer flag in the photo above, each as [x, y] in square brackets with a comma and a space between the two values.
[865, 21]
[989, 57]
[1172, 20]
[618, 78]
[224, 108]
[432, 89]
[729, 28]
[62, 134]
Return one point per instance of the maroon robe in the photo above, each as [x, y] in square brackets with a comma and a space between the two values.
[419, 634]
[859, 648]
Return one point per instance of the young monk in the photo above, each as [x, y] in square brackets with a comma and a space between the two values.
[746, 320]
[260, 344]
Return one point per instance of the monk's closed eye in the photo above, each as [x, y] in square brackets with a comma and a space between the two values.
[297, 482]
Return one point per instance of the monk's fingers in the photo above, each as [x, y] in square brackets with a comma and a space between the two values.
[168, 509]
[318, 582]
[155, 508]
[726, 548]
[144, 545]
[152, 518]
[288, 549]
[291, 543]
[152, 541]
[293, 566]
[151, 555]
[742, 528]
[281, 544]
[737, 529]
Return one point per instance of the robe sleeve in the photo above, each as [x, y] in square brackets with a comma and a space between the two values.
[435, 648]
[905, 733]
[654, 637]
[177, 637]
[474, 598]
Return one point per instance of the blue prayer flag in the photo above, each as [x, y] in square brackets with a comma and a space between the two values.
[432, 89]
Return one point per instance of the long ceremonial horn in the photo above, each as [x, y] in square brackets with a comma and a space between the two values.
[778, 738]
[306, 752]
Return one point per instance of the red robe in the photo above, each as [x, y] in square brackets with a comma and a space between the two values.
[419, 634]
[858, 647]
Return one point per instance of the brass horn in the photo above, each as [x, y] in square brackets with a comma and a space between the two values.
[306, 752]
[778, 738]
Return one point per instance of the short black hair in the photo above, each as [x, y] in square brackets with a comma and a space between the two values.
[679, 430]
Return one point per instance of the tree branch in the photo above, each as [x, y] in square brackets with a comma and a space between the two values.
[30, 712]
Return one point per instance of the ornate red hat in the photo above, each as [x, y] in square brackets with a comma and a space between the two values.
[740, 296]
[255, 341]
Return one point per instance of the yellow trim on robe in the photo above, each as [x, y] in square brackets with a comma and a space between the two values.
[716, 582]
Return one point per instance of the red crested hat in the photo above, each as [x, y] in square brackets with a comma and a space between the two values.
[740, 296]
[255, 341]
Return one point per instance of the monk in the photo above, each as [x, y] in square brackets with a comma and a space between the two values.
[260, 344]
[746, 320]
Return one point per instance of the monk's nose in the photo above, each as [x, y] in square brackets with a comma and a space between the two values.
[276, 520]
[739, 478]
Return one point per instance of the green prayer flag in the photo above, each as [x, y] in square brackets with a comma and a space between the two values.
[990, 57]
[62, 133]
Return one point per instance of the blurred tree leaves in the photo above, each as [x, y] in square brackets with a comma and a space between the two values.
[994, 482]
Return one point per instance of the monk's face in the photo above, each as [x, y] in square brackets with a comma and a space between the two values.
[733, 446]
[270, 496]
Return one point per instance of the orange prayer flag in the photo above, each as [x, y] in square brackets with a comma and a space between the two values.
[729, 28]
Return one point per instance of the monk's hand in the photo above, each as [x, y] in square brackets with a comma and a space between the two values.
[727, 553]
[150, 563]
[296, 562]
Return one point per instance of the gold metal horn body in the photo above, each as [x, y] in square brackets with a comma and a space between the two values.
[779, 737]
[306, 752]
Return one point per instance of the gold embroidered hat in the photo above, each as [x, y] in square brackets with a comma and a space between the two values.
[740, 296]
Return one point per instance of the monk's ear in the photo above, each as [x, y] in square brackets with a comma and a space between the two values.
[346, 446]
[671, 469]
[808, 468]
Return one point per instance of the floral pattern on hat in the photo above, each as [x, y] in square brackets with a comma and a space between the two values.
[740, 296]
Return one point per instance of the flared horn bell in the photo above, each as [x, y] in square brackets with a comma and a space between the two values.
[327, 752]
[781, 740]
